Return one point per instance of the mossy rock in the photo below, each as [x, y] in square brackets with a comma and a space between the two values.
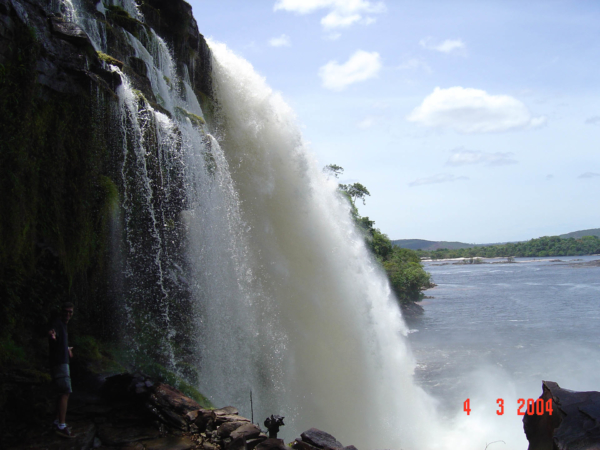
[94, 355]
[207, 105]
[194, 118]
[11, 352]
[110, 60]
[160, 373]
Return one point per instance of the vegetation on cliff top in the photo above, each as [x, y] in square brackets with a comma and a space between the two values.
[403, 266]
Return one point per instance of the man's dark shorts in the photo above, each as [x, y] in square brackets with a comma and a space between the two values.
[61, 377]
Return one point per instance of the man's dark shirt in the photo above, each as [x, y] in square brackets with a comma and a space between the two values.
[59, 348]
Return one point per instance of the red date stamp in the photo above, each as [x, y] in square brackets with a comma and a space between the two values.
[528, 407]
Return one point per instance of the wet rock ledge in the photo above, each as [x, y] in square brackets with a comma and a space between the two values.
[133, 412]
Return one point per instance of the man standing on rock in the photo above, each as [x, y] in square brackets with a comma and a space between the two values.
[60, 354]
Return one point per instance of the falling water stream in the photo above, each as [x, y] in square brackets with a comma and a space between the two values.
[285, 298]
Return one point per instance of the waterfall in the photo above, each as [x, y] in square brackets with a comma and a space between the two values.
[327, 328]
[238, 229]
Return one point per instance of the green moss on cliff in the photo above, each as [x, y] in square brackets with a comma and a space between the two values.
[194, 118]
[208, 106]
[110, 60]
[11, 353]
[160, 373]
[56, 199]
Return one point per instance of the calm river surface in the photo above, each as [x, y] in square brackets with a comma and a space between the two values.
[497, 330]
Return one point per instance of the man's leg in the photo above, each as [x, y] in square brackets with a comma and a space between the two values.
[61, 408]
[61, 417]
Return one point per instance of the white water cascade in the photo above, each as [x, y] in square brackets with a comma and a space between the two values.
[286, 301]
[325, 330]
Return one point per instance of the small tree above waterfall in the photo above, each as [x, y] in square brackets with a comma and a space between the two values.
[403, 267]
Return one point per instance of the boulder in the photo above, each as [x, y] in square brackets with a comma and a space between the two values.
[573, 425]
[272, 444]
[208, 446]
[227, 410]
[320, 439]
[205, 419]
[174, 398]
[252, 443]
[170, 405]
[227, 428]
[238, 443]
[230, 418]
[299, 444]
[246, 431]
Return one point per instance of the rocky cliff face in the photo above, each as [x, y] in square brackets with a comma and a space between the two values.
[66, 153]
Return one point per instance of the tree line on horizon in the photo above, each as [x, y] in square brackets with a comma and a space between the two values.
[539, 247]
[403, 266]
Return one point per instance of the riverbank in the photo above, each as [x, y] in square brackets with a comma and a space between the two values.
[503, 260]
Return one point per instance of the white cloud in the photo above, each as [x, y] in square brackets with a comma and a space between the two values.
[538, 122]
[462, 157]
[367, 122]
[369, 20]
[448, 46]
[281, 41]
[342, 13]
[589, 175]
[468, 110]
[439, 178]
[360, 67]
[595, 120]
[414, 64]
[336, 20]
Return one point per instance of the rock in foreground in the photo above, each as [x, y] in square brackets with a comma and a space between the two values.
[315, 439]
[134, 412]
[573, 425]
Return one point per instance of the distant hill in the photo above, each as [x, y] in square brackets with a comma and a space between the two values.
[579, 234]
[422, 244]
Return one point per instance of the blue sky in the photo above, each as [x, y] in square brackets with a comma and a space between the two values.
[476, 121]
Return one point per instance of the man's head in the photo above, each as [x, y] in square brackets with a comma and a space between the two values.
[66, 311]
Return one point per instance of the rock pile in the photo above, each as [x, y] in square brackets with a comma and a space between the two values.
[180, 421]
[133, 412]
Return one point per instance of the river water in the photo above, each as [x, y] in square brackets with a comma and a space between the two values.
[497, 330]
